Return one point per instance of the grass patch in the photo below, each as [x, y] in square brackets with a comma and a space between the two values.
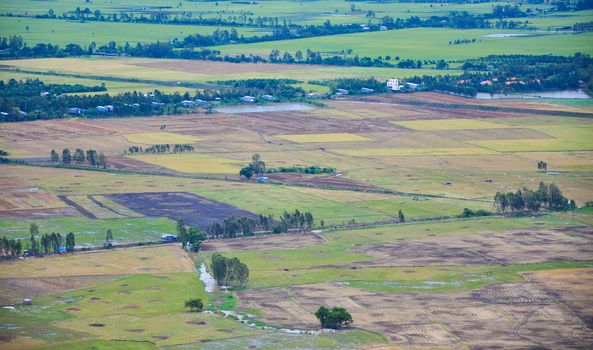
[92, 232]
[448, 124]
[159, 138]
[392, 152]
[337, 137]
[192, 163]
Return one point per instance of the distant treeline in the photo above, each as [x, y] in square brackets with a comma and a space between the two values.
[165, 148]
[314, 169]
[15, 106]
[525, 200]
[232, 227]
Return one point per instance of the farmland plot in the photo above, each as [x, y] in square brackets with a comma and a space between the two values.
[193, 209]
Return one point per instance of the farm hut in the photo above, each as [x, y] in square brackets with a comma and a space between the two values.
[342, 91]
[262, 179]
[201, 103]
[382, 28]
[268, 97]
[393, 84]
[74, 110]
[412, 85]
[168, 238]
[62, 250]
[366, 90]
[27, 301]
[187, 103]
[248, 99]
[101, 109]
[109, 108]
[44, 93]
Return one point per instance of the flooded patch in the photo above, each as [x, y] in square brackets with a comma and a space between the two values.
[503, 35]
[576, 94]
[207, 279]
[268, 108]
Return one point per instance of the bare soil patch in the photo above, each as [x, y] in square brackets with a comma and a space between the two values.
[512, 246]
[458, 319]
[193, 209]
[333, 181]
[574, 287]
[281, 241]
[13, 290]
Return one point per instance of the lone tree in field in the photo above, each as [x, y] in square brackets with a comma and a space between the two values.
[400, 216]
[335, 318]
[194, 305]
[55, 157]
[108, 238]
[247, 172]
[33, 229]
[542, 166]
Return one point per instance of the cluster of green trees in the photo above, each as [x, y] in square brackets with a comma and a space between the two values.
[229, 272]
[469, 213]
[79, 157]
[47, 244]
[164, 148]
[294, 220]
[35, 87]
[525, 200]
[542, 166]
[280, 89]
[335, 318]
[195, 305]
[191, 238]
[314, 169]
[10, 247]
[256, 167]
[232, 227]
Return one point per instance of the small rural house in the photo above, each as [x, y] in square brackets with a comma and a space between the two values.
[262, 179]
[168, 238]
[201, 103]
[101, 109]
[74, 110]
[187, 103]
[248, 99]
[268, 97]
[342, 91]
[44, 93]
[393, 84]
[412, 85]
[382, 28]
[366, 90]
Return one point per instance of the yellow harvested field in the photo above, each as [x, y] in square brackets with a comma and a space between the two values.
[191, 163]
[448, 124]
[392, 152]
[160, 138]
[338, 137]
[139, 260]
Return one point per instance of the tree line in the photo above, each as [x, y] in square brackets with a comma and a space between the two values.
[525, 200]
[79, 157]
[164, 148]
[47, 244]
[314, 169]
